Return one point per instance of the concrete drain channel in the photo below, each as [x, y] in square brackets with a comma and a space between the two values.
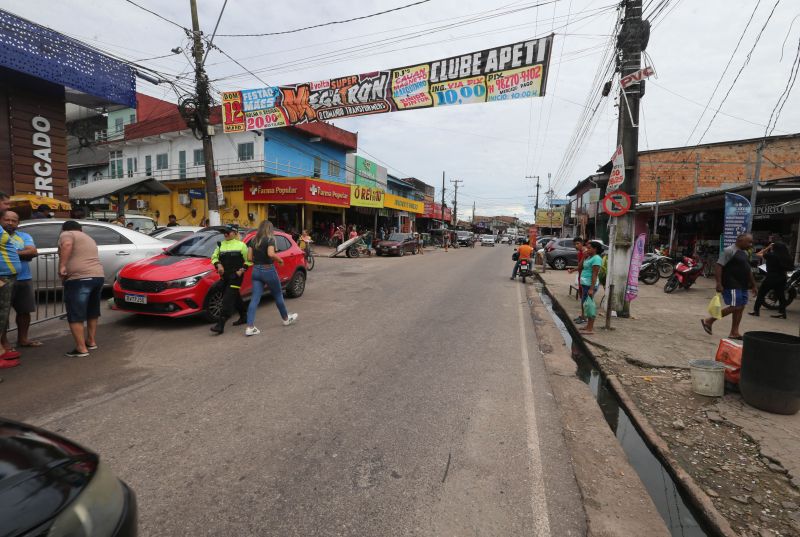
[679, 517]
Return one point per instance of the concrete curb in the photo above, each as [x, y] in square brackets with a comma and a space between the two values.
[712, 517]
[616, 503]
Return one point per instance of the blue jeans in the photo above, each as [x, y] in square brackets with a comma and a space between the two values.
[265, 275]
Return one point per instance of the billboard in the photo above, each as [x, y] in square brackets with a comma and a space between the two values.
[551, 217]
[508, 72]
[366, 172]
[363, 196]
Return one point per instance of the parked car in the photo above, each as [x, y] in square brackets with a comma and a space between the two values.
[141, 223]
[174, 233]
[561, 253]
[53, 487]
[397, 244]
[181, 281]
[487, 240]
[464, 237]
[117, 246]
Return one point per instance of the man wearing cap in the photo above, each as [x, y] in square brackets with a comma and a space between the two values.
[230, 261]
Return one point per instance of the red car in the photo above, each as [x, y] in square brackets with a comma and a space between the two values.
[182, 281]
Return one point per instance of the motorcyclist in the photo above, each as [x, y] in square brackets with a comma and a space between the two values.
[524, 252]
[230, 261]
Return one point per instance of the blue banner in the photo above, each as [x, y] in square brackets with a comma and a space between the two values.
[197, 194]
[737, 216]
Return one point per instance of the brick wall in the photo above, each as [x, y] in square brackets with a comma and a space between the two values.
[686, 171]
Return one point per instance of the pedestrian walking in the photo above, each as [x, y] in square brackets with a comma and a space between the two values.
[420, 244]
[79, 266]
[9, 269]
[22, 300]
[734, 277]
[778, 260]
[230, 258]
[261, 252]
[589, 282]
[579, 246]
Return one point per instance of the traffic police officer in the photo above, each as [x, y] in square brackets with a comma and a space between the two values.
[230, 260]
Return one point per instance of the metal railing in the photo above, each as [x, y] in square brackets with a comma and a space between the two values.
[48, 290]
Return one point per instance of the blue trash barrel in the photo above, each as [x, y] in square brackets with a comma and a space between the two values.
[771, 372]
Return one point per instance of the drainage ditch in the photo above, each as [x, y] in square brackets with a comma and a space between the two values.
[679, 516]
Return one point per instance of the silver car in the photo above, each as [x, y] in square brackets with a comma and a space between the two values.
[174, 233]
[117, 246]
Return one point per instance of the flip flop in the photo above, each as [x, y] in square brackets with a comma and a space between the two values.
[706, 327]
[32, 344]
[735, 338]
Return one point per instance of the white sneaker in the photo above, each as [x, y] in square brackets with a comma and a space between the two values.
[251, 331]
[291, 320]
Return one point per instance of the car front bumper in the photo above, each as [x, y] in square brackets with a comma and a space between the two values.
[168, 303]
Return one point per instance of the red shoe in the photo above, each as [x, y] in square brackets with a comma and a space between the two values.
[5, 364]
[10, 355]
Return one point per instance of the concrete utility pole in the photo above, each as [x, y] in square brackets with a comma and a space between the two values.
[204, 112]
[473, 213]
[455, 199]
[536, 207]
[756, 181]
[631, 42]
[658, 198]
[443, 200]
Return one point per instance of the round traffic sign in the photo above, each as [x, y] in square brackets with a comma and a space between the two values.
[616, 203]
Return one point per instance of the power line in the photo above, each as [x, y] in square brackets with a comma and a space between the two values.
[331, 23]
[158, 15]
[214, 33]
[776, 111]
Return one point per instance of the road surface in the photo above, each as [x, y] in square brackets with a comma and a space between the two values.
[408, 400]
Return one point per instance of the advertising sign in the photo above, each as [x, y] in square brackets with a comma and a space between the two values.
[765, 211]
[297, 190]
[509, 72]
[363, 196]
[197, 194]
[390, 201]
[617, 170]
[737, 216]
[638, 76]
[551, 217]
[366, 172]
[633, 271]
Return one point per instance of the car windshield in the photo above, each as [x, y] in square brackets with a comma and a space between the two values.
[198, 245]
[398, 237]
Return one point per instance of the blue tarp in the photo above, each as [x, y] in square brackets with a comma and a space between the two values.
[43, 53]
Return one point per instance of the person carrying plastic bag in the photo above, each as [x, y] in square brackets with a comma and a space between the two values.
[589, 279]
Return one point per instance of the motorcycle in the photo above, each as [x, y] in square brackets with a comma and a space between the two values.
[685, 274]
[648, 273]
[664, 264]
[792, 290]
[525, 269]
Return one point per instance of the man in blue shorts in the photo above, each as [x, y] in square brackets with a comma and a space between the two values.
[734, 278]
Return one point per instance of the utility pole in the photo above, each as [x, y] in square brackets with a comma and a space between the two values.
[658, 198]
[473, 213]
[536, 207]
[631, 42]
[455, 199]
[203, 113]
[443, 200]
[756, 181]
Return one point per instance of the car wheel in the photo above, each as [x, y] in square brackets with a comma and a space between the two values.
[297, 285]
[212, 306]
[402, 252]
[559, 263]
[414, 250]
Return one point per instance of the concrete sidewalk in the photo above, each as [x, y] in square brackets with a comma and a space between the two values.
[747, 461]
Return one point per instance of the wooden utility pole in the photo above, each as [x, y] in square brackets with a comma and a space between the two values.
[456, 182]
[658, 199]
[631, 42]
[443, 201]
[204, 113]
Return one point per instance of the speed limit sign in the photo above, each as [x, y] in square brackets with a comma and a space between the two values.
[616, 203]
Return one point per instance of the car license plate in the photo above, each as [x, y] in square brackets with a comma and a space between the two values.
[136, 299]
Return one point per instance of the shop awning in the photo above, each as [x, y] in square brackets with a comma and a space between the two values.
[35, 201]
[115, 187]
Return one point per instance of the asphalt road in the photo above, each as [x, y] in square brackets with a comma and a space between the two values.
[408, 400]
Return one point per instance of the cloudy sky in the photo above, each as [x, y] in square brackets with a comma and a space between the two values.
[491, 147]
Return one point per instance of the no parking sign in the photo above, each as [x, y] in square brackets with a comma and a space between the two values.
[616, 203]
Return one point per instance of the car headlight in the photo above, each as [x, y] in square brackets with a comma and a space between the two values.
[97, 509]
[394, 247]
[191, 281]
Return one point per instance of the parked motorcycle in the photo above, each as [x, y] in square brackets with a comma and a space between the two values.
[664, 264]
[648, 273]
[792, 290]
[685, 274]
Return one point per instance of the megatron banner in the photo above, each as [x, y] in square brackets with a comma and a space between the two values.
[516, 71]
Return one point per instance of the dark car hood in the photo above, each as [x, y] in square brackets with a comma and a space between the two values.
[389, 243]
[40, 474]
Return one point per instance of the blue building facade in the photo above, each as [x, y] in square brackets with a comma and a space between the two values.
[289, 153]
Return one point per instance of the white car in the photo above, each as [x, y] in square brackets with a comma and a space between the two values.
[487, 240]
[174, 233]
[116, 245]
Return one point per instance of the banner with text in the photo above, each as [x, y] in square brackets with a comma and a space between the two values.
[364, 196]
[515, 71]
[737, 217]
[390, 201]
[550, 218]
[633, 270]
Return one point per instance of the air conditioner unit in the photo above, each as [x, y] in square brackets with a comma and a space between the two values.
[184, 199]
[142, 204]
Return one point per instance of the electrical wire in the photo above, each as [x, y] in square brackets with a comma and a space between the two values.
[158, 15]
[214, 33]
[776, 111]
[331, 23]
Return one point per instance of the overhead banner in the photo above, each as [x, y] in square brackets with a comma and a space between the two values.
[737, 217]
[509, 72]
